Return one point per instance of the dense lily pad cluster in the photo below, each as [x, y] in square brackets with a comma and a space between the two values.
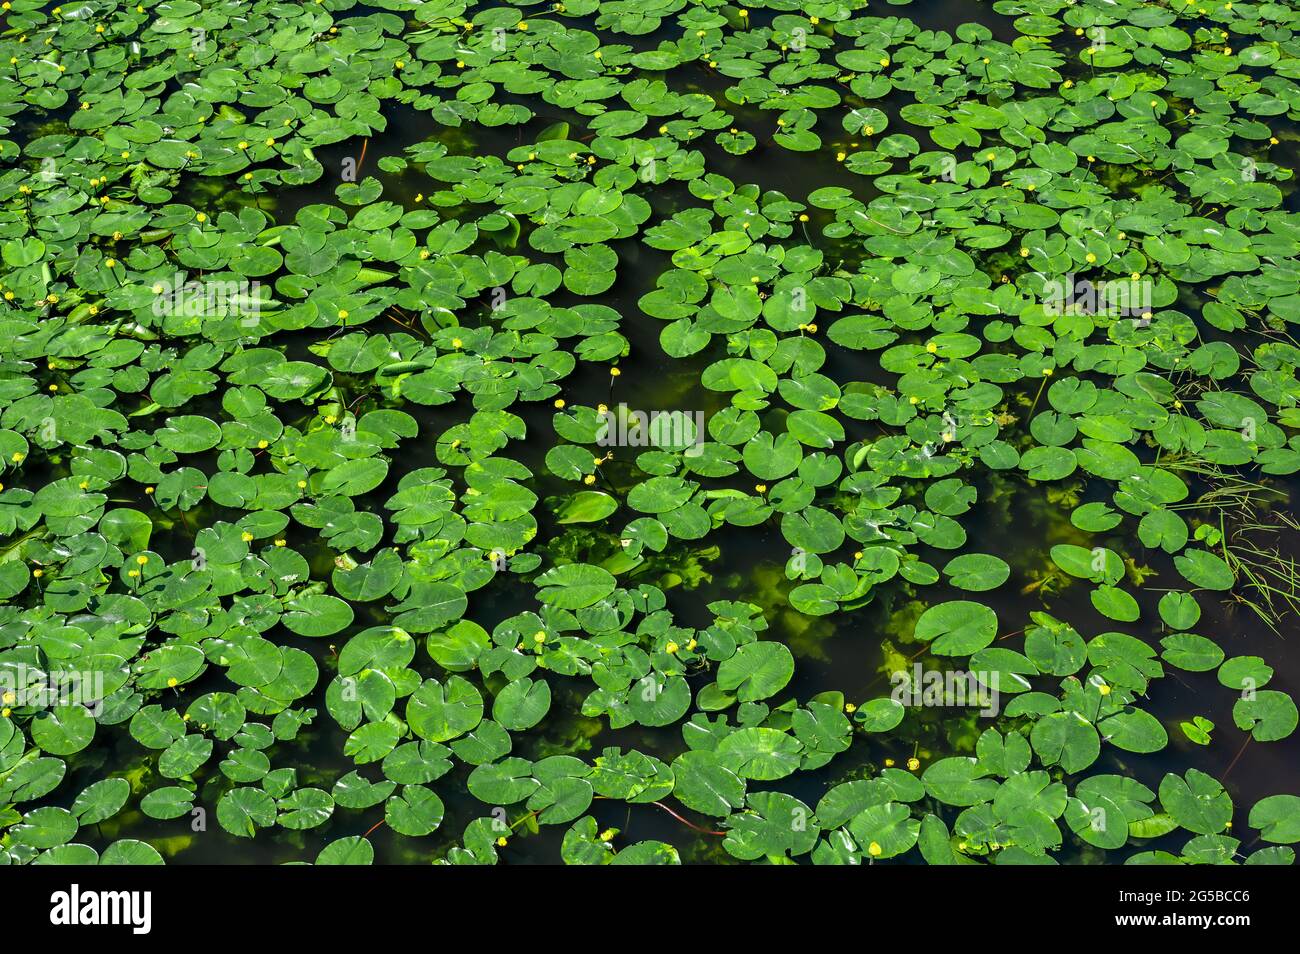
[304, 453]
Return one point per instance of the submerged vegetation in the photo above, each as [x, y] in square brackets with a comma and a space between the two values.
[339, 523]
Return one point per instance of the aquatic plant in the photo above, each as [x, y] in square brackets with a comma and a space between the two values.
[316, 319]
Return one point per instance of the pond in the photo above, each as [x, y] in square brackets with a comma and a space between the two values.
[655, 433]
